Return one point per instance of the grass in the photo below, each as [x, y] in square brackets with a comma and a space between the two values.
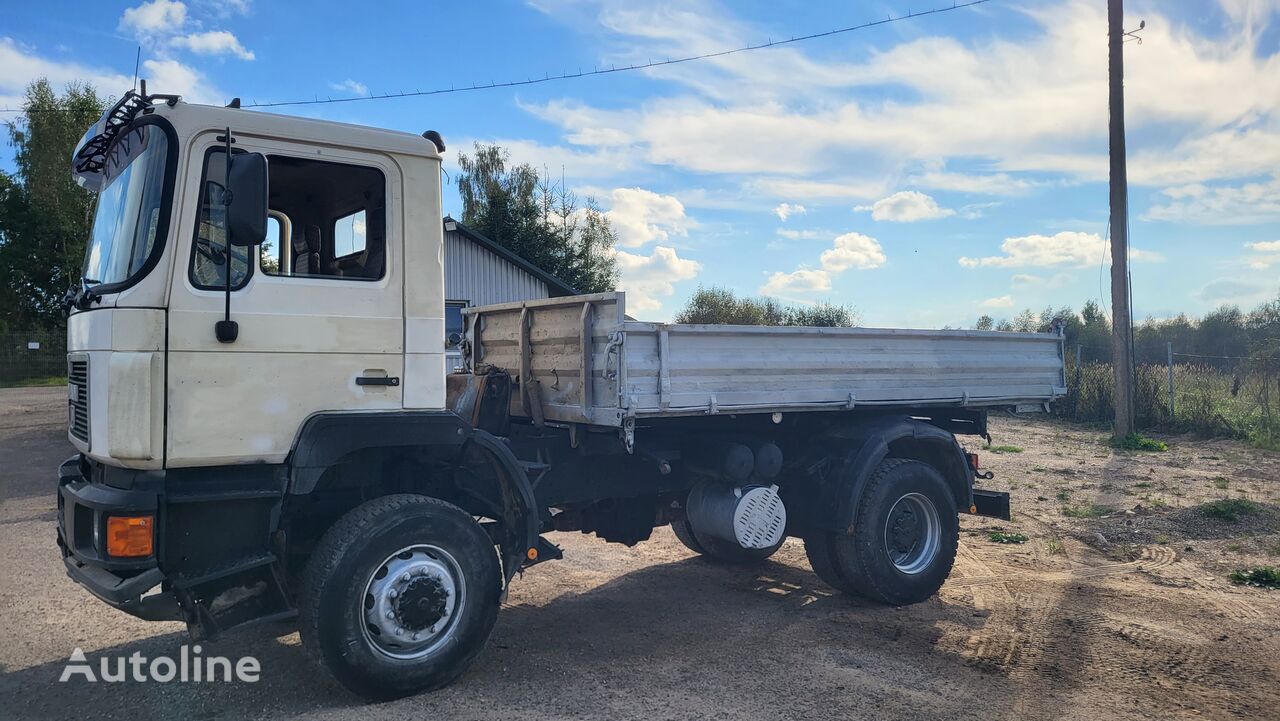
[1137, 442]
[1054, 546]
[1002, 537]
[1240, 404]
[1144, 484]
[1220, 483]
[1162, 539]
[1064, 495]
[1004, 449]
[1274, 549]
[1086, 511]
[1261, 577]
[35, 382]
[1229, 509]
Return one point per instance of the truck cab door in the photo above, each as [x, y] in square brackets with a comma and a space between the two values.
[319, 304]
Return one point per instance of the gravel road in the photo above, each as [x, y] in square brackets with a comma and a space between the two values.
[1065, 626]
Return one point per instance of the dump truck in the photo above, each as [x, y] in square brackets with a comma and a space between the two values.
[266, 429]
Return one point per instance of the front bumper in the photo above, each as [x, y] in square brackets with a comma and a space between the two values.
[83, 509]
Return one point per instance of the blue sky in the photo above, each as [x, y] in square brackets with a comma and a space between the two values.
[925, 172]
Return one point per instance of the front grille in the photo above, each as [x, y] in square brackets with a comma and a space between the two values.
[78, 398]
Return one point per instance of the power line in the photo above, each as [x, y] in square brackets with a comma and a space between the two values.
[547, 78]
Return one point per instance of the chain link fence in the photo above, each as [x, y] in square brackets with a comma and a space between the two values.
[1213, 395]
[33, 358]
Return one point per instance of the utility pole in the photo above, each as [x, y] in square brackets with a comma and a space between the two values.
[1121, 330]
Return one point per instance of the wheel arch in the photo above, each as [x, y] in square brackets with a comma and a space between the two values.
[869, 443]
[327, 440]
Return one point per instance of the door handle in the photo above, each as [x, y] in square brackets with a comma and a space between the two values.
[377, 380]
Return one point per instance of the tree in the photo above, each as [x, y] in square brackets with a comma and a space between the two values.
[45, 218]
[721, 306]
[537, 219]
[985, 322]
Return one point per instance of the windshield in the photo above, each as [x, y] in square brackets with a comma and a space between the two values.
[128, 215]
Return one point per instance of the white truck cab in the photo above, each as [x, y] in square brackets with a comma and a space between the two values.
[266, 430]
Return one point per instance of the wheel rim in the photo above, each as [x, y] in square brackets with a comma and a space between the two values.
[912, 533]
[412, 602]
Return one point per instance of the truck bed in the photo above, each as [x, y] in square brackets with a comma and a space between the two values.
[579, 359]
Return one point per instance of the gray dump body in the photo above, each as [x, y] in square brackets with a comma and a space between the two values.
[582, 361]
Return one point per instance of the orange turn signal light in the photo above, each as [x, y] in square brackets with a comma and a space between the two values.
[130, 536]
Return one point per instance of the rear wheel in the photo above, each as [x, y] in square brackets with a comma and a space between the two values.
[717, 549]
[904, 542]
[400, 596]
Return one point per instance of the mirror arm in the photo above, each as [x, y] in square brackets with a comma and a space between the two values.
[227, 330]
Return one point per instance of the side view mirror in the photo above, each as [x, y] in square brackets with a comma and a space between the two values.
[247, 216]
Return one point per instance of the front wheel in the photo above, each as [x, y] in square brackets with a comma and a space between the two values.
[400, 596]
[904, 542]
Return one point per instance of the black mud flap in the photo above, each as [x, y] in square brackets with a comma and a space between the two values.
[993, 504]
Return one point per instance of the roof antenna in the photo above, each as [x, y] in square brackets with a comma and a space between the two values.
[136, 62]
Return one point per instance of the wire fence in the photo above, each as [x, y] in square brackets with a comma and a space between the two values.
[32, 357]
[1216, 395]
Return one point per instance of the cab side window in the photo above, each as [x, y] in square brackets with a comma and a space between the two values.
[327, 220]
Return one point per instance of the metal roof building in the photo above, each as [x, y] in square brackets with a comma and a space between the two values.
[478, 271]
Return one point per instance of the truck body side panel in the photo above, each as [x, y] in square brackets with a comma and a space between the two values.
[588, 364]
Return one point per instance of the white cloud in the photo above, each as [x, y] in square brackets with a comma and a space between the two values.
[852, 250]
[906, 206]
[786, 210]
[800, 281]
[1231, 290]
[594, 163]
[1067, 248]
[1025, 281]
[641, 216]
[1200, 104]
[158, 17]
[648, 278]
[838, 189]
[984, 183]
[1270, 254]
[351, 86]
[1004, 301]
[171, 76]
[213, 42]
[791, 234]
[1220, 205]
[19, 65]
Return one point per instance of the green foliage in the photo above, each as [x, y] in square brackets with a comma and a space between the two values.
[1229, 509]
[1054, 546]
[1086, 511]
[1261, 577]
[1220, 483]
[1003, 537]
[537, 219]
[1004, 449]
[1138, 442]
[720, 306]
[45, 217]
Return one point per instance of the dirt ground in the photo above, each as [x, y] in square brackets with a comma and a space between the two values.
[1123, 613]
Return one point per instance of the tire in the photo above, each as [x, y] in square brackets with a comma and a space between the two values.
[904, 543]
[454, 582]
[718, 550]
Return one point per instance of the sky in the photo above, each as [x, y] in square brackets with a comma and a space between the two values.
[924, 172]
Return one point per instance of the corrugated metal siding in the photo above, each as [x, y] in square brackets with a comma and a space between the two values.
[473, 273]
